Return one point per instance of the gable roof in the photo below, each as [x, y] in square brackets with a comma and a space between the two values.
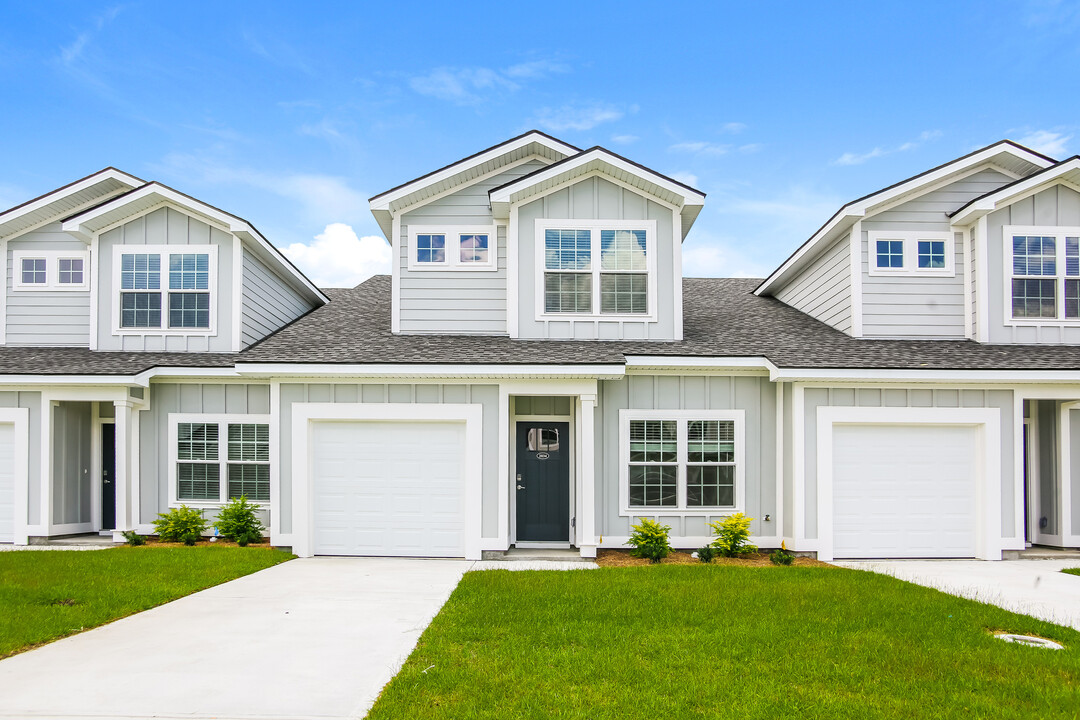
[1067, 171]
[1005, 154]
[386, 204]
[597, 158]
[147, 196]
[55, 204]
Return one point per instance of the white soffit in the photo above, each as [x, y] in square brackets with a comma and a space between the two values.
[1065, 173]
[60, 203]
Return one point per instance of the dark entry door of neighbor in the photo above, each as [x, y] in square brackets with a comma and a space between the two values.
[108, 470]
[543, 481]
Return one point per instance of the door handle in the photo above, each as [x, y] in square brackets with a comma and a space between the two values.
[519, 485]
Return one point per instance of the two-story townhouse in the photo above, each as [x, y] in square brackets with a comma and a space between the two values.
[535, 372]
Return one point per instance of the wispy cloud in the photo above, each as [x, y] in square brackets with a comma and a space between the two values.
[708, 255]
[700, 148]
[733, 127]
[73, 51]
[851, 158]
[579, 117]
[685, 178]
[276, 52]
[1047, 142]
[624, 139]
[325, 129]
[474, 85]
[536, 69]
[338, 258]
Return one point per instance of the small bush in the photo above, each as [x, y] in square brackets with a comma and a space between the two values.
[238, 521]
[781, 556]
[650, 540]
[133, 538]
[182, 524]
[733, 533]
[707, 553]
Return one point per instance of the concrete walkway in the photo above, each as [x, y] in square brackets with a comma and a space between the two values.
[1033, 587]
[311, 638]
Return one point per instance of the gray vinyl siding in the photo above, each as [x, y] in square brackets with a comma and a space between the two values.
[166, 398]
[789, 463]
[591, 199]
[268, 302]
[487, 396]
[902, 397]
[912, 306]
[71, 487]
[165, 226]
[823, 289]
[46, 317]
[1048, 488]
[456, 301]
[1055, 206]
[756, 396]
[31, 401]
[1074, 441]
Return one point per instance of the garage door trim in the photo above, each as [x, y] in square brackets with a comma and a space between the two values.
[304, 415]
[20, 418]
[986, 421]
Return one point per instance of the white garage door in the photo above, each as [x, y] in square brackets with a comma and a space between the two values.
[7, 483]
[903, 491]
[389, 488]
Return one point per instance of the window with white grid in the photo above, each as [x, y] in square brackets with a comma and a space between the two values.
[165, 288]
[215, 458]
[1043, 273]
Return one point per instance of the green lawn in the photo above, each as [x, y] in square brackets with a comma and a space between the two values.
[726, 642]
[45, 595]
[1072, 571]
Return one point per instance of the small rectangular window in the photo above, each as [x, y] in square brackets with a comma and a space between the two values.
[71, 271]
[543, 439]
[33, 271]
[890, 253]
[932, 254]
[473, 248]
[654, 468]
[249, 461]
[431, 248]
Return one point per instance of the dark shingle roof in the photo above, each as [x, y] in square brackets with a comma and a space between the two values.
[722, 318]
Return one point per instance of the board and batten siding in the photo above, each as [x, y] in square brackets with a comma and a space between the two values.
[815, 397]
[907, 306]
[165, 226]
[823, 289]
[456, 301]
[71, 486]
[595, 198]
[46, 317]
[268, 302]
[755, 396]
[1055, 206]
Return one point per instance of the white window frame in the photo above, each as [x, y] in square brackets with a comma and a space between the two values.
[911, 239]
[52, 260]
[681, 417]
[453, 235]
[216, 297]
[594, 227]
[222, 421]
[1059, 232]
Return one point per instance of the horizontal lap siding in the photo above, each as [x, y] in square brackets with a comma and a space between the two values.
[1054, 206]
[268, 301]
[906, 306]
[823, 290]
[46, 317]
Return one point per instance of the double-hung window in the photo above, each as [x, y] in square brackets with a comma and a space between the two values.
[596, 268]
[450, 247]
[217, 458]
[1042, 273]
[50, 270]
[165, 288]
[911, 253]
[681, 461]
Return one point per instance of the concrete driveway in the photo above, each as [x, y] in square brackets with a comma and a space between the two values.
[1033, 587]
[311, 638]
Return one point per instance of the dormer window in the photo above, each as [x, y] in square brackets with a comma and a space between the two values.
[165, 288]
[452, 248]
[911, 253]
[1044, 275]
[50, 270]
[33, 271]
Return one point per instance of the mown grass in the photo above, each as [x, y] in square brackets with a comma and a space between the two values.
[1072, 571]
[726, 642]
[46, 595]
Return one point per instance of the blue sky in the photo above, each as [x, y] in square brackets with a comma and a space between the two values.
[292, 115]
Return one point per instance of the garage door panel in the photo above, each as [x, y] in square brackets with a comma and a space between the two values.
[903, 491]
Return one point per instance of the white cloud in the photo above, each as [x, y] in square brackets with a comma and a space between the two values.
[624, 139]
[850, 158]
[577, 117]
[700, 148]
[733, 127]
[325, 129]
[705, 255]
[1047, 142]
[473, 85]
[536, 69]
[685, 178]
[72, 52]
[338, 258]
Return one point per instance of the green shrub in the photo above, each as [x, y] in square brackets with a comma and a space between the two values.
[133, 538]
[733, 533]
[781, 556]
[707, 553]
[650, 540]
[238, 521]
[182, 524]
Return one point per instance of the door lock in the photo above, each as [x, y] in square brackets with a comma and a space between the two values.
[519, 485]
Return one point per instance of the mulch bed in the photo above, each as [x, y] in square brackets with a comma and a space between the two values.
[622, 558]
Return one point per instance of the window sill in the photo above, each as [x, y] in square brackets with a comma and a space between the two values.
[593, 317]
[50, 288]
[209, 504]
[679, 512]
[170, 332]
[447, 267]
[875, 272]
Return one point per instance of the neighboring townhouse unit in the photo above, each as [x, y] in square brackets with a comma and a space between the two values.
[536, 372]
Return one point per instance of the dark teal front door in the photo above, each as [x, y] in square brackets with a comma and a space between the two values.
[543, 481]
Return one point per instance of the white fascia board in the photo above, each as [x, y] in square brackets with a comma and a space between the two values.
[841, 221]
[1006, 377]
[56, 380]
[643, 364]
[429, 370]
[382, 202]
[107, 174]
[1009, 193]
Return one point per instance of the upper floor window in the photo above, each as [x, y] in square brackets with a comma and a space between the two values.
[165, 288]
[911, 253]
[51, 270]
[452, 248]
[1043, 277]
[596, 268]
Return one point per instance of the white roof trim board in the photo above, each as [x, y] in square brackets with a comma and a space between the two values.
[1066, 172]
[52, 206]
[853, 211]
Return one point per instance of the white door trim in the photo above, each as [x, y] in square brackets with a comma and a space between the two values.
[20, 418]
[305, 414]
[988, 540]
